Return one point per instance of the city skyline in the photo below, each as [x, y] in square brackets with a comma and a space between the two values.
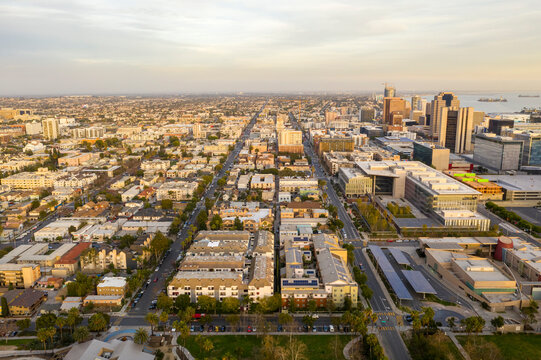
[134, 47]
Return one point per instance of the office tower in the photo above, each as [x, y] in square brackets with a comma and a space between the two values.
[444, 99]
[389, 91]
[497, 152]
[50, 128]
[496, 126]
[367, 114]
[397, 106]
[531, 154]
[456, 126]
[431, 154]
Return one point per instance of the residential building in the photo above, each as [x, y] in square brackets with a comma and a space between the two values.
[262, 181]
[176, 190]
[19, 275]
[290, 141]
[114, 349]
[51, 129]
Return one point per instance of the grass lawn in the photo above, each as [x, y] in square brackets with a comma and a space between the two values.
[17, 342]
[319, 347]
[514, 346]
[447, 347]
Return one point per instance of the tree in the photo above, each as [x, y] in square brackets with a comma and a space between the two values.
[61, 322]
[230, 305]
[167, 204]
[285, 319]
[5, 308]
[98, 322]
[497, 322]
[164, 316]
[23, 324]
[428, 316]
[46, 321]
[164, 303]
[43, 335]
[207, 345]
[232, 320]
[152, 319]
[81, 333]
[451, 323]
[312, 305]
[216, 222]
[473, 324]
[237, 225]
[202, 219]
[181, 302]
[159, 244]
[529, 311]
[73, 318]
[308, 320]
[206, 303]
[141, 336]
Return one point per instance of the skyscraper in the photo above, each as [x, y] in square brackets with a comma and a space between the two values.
[389, 91]
[443, 99]
[455, 129]
[392, 107]
[50, 128]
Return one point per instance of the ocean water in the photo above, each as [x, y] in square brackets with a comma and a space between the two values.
[513, 104]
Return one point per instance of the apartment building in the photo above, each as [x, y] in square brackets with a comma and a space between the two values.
[176, 190]
[19, 275]
[262, 181]
[295, 184]
[42, 178]
[51, 128]
[97, 260]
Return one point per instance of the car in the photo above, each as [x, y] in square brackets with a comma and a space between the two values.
[222, 328]
[249, 329]
[192, 328]
[331, 328]
[325, 328]
[280, 328]
[305, 328]
[408, 318]
[314, 329]
[217, 328]
[201, 328]
[210, 328]
[315, 316]
[157, 269]
[254, 329]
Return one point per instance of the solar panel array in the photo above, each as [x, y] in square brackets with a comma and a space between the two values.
[398, 286]
[300, 282]
[398, 255]
[418, 282]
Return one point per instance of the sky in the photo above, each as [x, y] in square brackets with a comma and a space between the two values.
[176, 46]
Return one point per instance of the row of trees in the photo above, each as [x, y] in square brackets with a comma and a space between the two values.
[513, 218]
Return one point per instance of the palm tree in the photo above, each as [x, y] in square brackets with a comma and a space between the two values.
[97, 322]
[152, 319]
[61, 322]
[73, 318]
[43, 335]
[81, 333]
[51, 333]
[207, 345]
[141, 336]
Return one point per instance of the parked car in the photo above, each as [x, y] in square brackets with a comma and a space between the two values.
[331, 328]
[249, 329]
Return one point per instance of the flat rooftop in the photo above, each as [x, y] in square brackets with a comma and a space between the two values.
[516, 182]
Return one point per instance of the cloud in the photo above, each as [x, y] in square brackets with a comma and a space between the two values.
[264, 45]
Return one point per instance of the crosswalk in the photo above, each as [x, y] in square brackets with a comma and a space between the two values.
[390, 313]
[386, 328]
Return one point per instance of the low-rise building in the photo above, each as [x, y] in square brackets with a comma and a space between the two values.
[112, 286]
[24, 302]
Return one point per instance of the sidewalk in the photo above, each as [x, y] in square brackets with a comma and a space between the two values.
[457, 344]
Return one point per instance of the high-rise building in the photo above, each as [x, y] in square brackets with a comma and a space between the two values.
[330, 116]
[531, 154]
[50, 128]
[389, 91]
[496, 126]
[367, 114]
[443, 99]
[497, 152]
[456, 126]
[478, 118]
[397, 106]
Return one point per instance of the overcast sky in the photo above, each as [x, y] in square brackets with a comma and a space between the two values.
[171, 46]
